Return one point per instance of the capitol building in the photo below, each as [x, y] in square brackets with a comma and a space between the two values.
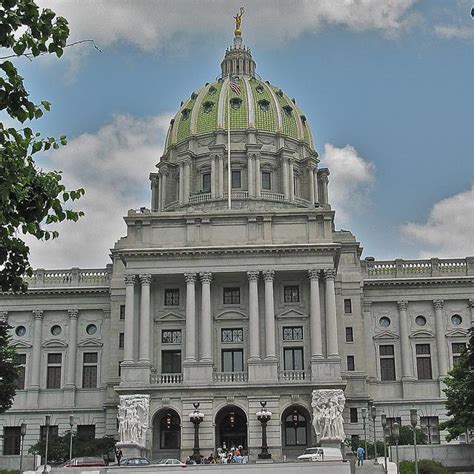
[262, 301]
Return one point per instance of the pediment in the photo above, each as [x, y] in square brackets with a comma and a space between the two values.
[421, 333]
[291, 314]
[385, 335]
[90, 343]
[54, 343]
[230, 315]
[22, 345]
[170, 317]
[457, 333]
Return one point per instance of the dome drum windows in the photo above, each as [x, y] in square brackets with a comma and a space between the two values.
[264, 105]
[259, 89]
[185, 113]
[212, 90]
[207, 106]
[235, 102]
[288, 109]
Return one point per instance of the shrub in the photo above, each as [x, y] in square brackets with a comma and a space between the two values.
[425, 466]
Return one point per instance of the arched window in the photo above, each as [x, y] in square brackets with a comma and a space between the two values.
[170, 431]
[295, 429]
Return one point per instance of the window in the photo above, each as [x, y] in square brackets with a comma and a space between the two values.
[231, 295]
[349, 335]
[420, 320]
[171, 336]
[293, 358]
[430, 426]
[91, 329]
[391, 421]
[387, 362]
[458, 348]
[120, 368]
[86, 432]
[53, 374]
[206, 182]
[233, 360]
[20, 361]
[293, 333]
[295, 429]
[236, 181]
[291, 294]
[385, 322]
[423, 362]
[232, 335]
[266, 180]
[348, 305]
[350, 363]
[11, 440]
[170, 362]
[52, 432]
[456, 319]
[56, 330]
[353, 415]
[122, 311]
[20, 331]
[172, 297]
[170, 431]
[89, 370]
[121, 340]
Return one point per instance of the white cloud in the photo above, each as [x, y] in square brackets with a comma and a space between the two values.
[449, 229]
[454, 32]
[112, 165]
[351, 180]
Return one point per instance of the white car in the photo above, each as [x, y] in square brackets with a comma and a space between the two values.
[321, 454]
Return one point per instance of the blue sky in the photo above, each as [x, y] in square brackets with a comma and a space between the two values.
[386, 86]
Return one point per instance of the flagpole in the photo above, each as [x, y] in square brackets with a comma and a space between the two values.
[229, 171]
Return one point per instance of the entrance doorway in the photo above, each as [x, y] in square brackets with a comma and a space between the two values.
[296, 431]
[166, 435]
[231, 428]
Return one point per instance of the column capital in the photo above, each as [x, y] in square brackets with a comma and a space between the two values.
[129, 279]
[4, 316]
[38, 314]
[145, 279]
[206, 277]
[268, 275]
[330, 274]
[313, 274]
[190, 277]
[470, 303]
[366, 306]
[438, 304]
[106, 313]
[253, 275]
[154, 179]
[402, 305]
[73, 313]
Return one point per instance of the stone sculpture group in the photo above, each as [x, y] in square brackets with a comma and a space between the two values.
[328, 405]
[133, 414]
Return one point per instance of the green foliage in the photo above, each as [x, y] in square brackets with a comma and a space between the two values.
[29, 196]
[8, 370]
[406, 436]
[6, 471]
[425, 466]
[356, 442]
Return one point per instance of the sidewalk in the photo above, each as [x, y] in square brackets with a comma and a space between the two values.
[369, 466]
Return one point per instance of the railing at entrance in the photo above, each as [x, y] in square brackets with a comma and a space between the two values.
[230, 377]
[166, 379]
[293, 375]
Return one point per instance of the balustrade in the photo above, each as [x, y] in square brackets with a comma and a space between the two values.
[293, 375]
[228, 377]
[166, 379]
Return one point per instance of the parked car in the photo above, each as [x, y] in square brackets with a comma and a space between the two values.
[321, 454]
[171, 462]
[86, 462]
[135, 462]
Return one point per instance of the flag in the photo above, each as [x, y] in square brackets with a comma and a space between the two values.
[234, 84]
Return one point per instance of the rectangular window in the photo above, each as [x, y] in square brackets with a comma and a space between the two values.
[20, 361]
[236, 181]
[231, 295]
[294, 333]
[122, 311]
[170, 362]
[121, 340]
[89, 370]
[349, 335]
[387, 362]
[423, 361]
[391, 420]
[430, 426]
[350, 363]
[291, 294]
[11, 440]
[206, 182]
[293, 358]
[232, 335]
[348, 305]
[266, 180]
[86, 432]
[458, 348]
[53, 373]
[233, 360]
[353, 414]
[120, 368]
[172, 297]
[171, 336]
[52, 432]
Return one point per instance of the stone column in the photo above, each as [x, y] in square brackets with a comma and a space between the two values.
[154, 192]
[221, 176]
[311, 185]
[163, 189]
[315, 316]
[187, 181]
[315, 181]
[181, 184]
[253, 315]
[72, 350]
[36, 352]
[471, 307]
[331, 317]
[213, 177]
[160, 189]
[128, 354]
[144, 344]
[407, 370]
[286, 189]
[206, 326]
[440, 338]
[258, 177]
[270, 351]
[323, 176]
[190, 317]
[250, 175]
[292, 181]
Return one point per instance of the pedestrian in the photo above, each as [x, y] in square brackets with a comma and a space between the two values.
[360, 456]
[119, 456]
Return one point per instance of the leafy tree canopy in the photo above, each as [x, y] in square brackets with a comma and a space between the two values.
[8, 370]
[30, 198]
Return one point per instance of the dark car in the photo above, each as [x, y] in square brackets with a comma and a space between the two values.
[86, 462]
[135, 462]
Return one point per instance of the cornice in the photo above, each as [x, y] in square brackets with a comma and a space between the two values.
[59, 289]
[418, 281]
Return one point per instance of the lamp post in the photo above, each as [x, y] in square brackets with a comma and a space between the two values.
[364, 417]
[196, 417]
[373, 414]
[46, 423]
[383, 419]
[413, 421]
[263, 416]
[396, 437]
[71, 424]
[22, 433]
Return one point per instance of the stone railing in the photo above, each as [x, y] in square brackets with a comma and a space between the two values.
[166, 379]
[201, 197]
[417, 268]
[238, 195]
[71, 277]
[230, 377]
[293, 375]
[272, 196]
[299, 200]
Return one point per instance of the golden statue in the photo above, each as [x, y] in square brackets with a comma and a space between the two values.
[238, 21]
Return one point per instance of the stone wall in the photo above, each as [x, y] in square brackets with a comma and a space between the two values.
[449, 455]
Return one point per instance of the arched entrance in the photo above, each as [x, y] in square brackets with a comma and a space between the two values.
[296, 432]
[231, 427]
[166, 435]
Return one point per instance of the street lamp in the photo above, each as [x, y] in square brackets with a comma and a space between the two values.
[396, 437]
[196, 417]
[364, 417]
[373, 414]
[413, 421]
[263, 416]
[71, 424]
[46, 423]
[22, 433]
[383, 419]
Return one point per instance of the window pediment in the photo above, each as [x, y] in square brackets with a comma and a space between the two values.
[386, 336]
[421, 334]
[171, 316]
[90, 343]
[457, 333]
[230, 315]
[291, 314]
[21, 345]
[54, 343]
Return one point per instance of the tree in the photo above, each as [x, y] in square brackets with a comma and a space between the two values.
[406, 436]
[30, 198]
[8, 370]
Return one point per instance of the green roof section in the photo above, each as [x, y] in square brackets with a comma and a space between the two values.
[207, 114]
[288, 113]
[184, 125]
[239, 115]
[265, 114]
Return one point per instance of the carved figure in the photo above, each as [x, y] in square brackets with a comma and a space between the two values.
[328, 405]
[133, 414]
[238, 21]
